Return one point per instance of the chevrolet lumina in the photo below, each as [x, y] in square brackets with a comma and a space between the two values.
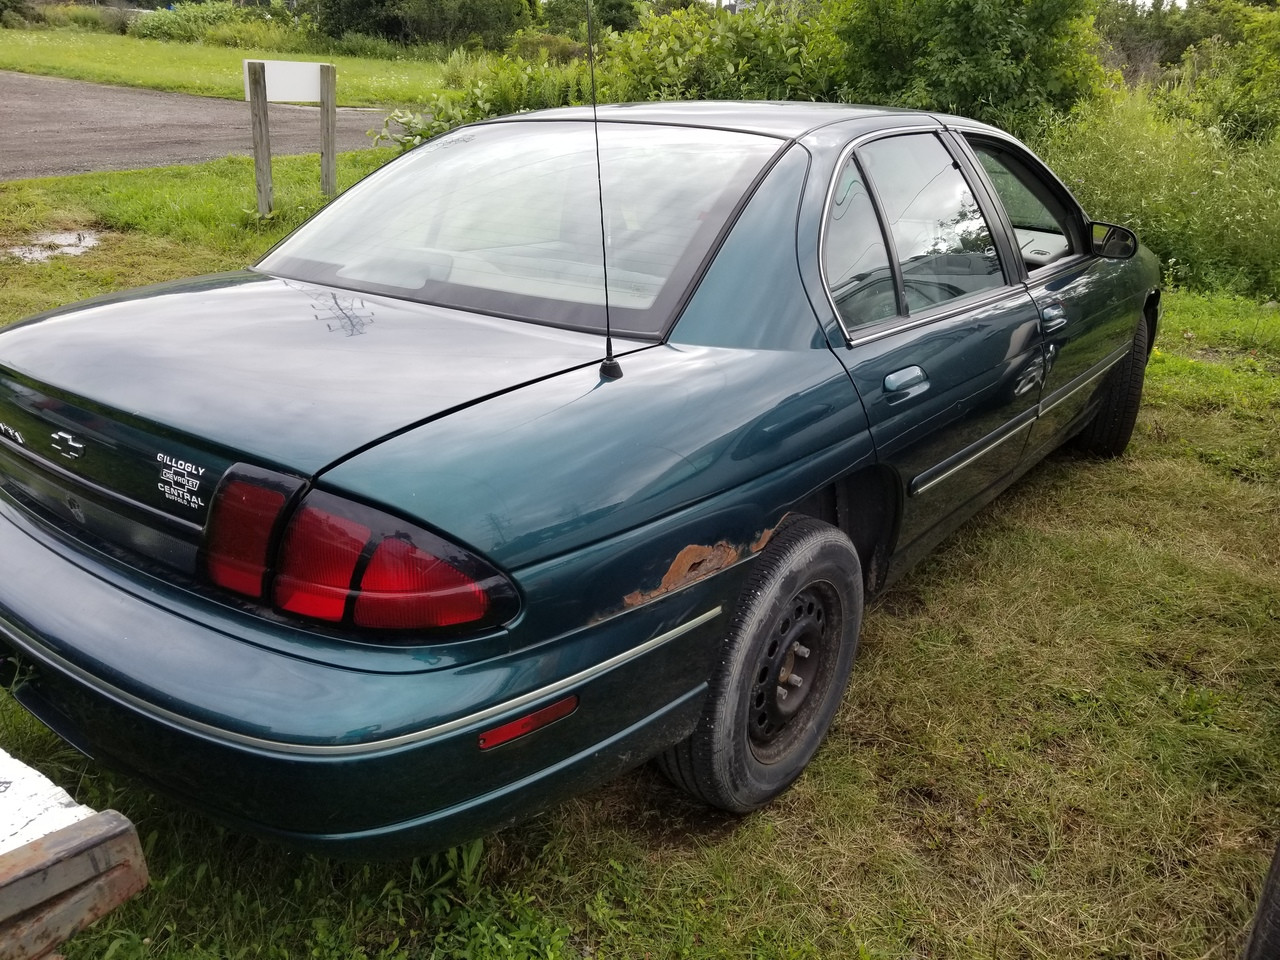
[368, 549]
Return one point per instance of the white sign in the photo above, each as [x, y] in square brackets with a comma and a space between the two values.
[288, 81]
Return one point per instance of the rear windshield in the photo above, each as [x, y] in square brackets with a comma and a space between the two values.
[506, 219]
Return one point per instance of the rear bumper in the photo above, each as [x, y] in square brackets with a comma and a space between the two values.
[374, 755]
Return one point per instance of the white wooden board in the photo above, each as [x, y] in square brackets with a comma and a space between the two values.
[31, 806]
[288, 81]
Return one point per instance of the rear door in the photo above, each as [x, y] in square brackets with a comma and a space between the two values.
[943, 336]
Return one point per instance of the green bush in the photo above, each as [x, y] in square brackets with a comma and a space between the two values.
[661, 8]
[615, 14]
[1234, 87]
[1009, 61]
[1006, 61]
[763, 53]
[14, 14]
[509, 85]
[1209, 208]
[1143, 37]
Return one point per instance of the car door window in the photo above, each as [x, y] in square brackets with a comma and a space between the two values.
[854, 259]
[1042, 222]
[942, 240]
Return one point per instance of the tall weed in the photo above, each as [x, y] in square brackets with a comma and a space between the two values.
[1209, 208]
[464, 69]
[186, 22]
[1233, 86]
[552, 47]
[98, 19]
[257, 35]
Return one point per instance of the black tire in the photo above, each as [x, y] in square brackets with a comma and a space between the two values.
[1264, 939]
[1107, 434]
[798, 617]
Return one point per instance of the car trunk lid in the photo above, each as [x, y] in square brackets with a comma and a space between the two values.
[119, 416]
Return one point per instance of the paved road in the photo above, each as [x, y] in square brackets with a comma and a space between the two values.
[50, 127]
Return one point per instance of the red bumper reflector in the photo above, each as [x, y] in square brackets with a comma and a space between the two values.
[526, 725]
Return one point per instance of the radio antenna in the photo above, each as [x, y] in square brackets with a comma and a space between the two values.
[610, 369]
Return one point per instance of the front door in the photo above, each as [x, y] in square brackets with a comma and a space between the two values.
[1085, 324]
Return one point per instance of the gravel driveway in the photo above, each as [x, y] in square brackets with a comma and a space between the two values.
[50, 127]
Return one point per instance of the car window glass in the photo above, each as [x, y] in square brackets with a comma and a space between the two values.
[506, 218]
[854, 259]
[1040, 220]
[943, 241]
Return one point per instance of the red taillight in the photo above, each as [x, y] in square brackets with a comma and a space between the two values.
[241, 523]
[318, 563]
[342, 562]
[404, 586]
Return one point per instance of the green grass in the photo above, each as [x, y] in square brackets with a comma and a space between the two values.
[157, 224]
[1062, 738]
[204, 70]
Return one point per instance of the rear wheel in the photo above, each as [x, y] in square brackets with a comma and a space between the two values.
[782, 674]
[1108, 433]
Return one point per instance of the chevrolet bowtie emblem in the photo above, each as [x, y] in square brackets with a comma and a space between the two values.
[67, 445]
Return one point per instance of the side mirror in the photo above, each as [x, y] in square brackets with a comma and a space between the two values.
[1113, 242]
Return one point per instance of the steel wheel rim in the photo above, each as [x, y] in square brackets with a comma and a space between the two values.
[787, 678]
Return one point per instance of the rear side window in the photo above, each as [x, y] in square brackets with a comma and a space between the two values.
[855, 261]
[942, 240]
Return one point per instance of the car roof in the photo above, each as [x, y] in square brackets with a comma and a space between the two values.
[784, 119]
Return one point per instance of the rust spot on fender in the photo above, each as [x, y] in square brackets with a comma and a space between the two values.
[691, 564]
[762, 541]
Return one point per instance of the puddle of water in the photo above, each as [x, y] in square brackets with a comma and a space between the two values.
[49, 245]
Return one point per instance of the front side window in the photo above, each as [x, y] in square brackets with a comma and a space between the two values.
[506, 219]
[942, 239]
[1041, 220]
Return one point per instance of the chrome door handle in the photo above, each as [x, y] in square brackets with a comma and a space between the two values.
[901, 380]
[1053, 318]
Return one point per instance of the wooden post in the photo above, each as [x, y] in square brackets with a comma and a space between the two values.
[261, 135]
[328, 129]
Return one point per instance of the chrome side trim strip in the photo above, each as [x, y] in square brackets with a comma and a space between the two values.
[918, 488]
[1089, 380]
[39, 652]
[954, 308]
